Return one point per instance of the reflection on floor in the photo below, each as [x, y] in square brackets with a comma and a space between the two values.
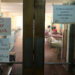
[18, 46]
[55, 70]
[17, 68]
[51, 54]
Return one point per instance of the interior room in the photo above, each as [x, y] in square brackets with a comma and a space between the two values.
[53, 36]
[56, 47]
[14, 11]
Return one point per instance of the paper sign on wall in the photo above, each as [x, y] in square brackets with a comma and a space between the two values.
[63, 14]
[5, 26]
[4, 50]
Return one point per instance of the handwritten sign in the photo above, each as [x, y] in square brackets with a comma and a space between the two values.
[4, 50]
[5, 26]
[63, 14]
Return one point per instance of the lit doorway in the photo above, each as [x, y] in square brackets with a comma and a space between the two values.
[53, 36]
[56, 47]
[14, 11]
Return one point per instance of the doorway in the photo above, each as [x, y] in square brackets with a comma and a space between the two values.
[37, 52]
[14, 11]
[56, 46]
[54, 36]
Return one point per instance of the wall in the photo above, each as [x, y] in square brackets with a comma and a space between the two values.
[15, 20]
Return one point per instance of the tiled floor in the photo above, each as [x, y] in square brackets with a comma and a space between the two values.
[17, 68]
[55, 70]
[19, 47]
[51, 54]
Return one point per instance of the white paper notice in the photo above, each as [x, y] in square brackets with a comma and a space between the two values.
[63, 14]
[4, 50]
[5, 26]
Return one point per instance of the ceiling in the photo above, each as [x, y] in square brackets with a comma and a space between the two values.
[59, 1]
[50, 3]
[46, 0]
[12, 1]
[13, 8]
